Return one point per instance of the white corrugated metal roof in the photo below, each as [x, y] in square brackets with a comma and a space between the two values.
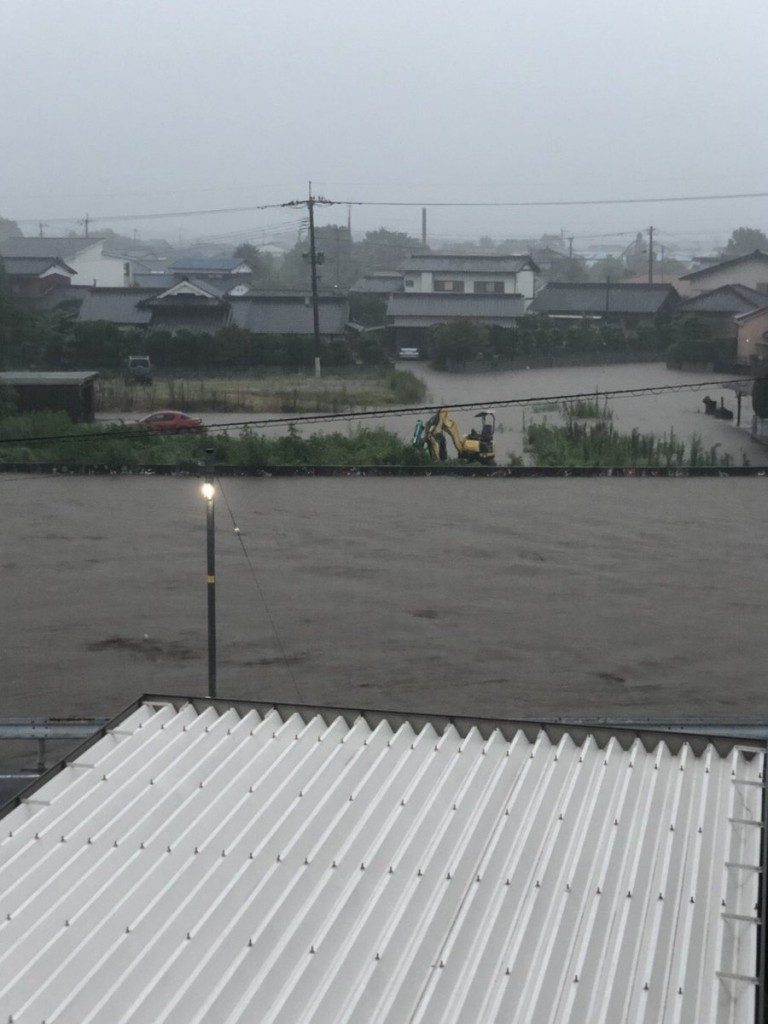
[225, 866]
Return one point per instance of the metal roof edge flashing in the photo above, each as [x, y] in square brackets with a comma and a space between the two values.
[650, 734]
[54, 770]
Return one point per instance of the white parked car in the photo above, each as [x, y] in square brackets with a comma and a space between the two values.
[408, 353]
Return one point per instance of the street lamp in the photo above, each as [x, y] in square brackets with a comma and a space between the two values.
[209, 492]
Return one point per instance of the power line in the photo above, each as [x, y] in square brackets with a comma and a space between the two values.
[238, 533]
[411, 410]
[488, 204]
[562, 202]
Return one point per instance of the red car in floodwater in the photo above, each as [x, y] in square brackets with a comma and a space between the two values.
[170, 420]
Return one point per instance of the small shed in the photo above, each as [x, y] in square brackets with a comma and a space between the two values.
[69, 392]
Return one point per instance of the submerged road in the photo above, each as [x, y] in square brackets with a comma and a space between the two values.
[621, 598]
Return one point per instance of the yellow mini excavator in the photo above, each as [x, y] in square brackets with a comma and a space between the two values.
[474, 447]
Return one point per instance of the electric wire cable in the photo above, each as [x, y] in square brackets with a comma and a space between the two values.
[278, 639]
[321, 201]
[412, 410]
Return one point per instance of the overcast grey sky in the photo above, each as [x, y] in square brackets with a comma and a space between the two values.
[153, 105]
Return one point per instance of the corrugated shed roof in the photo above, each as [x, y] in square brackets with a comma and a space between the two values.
[265, 314]
[436, 305]
[34, 265]
[216, 866]
[597, 299]
[729, 299]
[466, 263]
[63, 248]
[116, 305]
[52, 378]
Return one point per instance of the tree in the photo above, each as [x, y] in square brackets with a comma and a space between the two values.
[608, 267]
[744, 241]
[248, 253]
[569, 271]
[9, 229]
[457, 342]
[385, 250]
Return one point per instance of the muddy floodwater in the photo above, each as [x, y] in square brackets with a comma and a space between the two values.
[612, 598]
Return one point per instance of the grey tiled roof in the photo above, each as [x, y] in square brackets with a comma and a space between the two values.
[215, 264]
[466, 263]
[32, 266]
[165, 280]
[714, 267]
[436, 305]
[265, 314]
[116, 305]
[63, 248]
[599, 299]
[731, 298]
[378, 284]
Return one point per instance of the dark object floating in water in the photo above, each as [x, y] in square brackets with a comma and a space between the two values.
[711, 409]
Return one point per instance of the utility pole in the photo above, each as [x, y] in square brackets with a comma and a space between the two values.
[570, 247]
[86, 222]
[424, 226]
[650, 255]
[313, 266]
[41, 226]
[661, 264]
[608, 293]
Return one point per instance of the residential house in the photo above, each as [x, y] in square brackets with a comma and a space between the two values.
[189, 305]
[468, 273]
[628, 304]
[202, 307]
[752, 335]
[411, 315]
[750, 270]
[87, 257]
[290, 313]
[32, 277]
[721, 306]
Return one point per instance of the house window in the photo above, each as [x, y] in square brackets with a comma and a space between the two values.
[449, 286]
[489, 287]
[409, 282]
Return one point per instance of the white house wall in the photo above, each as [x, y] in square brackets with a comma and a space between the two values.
[95, 269]
[522, 283]
[218, 867]
[751, 273]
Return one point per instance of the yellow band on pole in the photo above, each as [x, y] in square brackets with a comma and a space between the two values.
[211, 579]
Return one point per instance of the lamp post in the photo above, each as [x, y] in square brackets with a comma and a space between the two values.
[209, 492]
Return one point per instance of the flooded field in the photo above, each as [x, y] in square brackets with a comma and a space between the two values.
[678, 411]
[533, 598]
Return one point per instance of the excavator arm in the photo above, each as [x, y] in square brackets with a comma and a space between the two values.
[442, 423]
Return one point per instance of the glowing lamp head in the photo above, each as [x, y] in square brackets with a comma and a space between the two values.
[208, 491]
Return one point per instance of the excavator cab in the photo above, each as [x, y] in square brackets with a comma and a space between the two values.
[476, 446]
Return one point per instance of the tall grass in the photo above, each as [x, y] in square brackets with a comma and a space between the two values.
[587, 409]
[270, 393]
[601, 444]
[88, 445]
